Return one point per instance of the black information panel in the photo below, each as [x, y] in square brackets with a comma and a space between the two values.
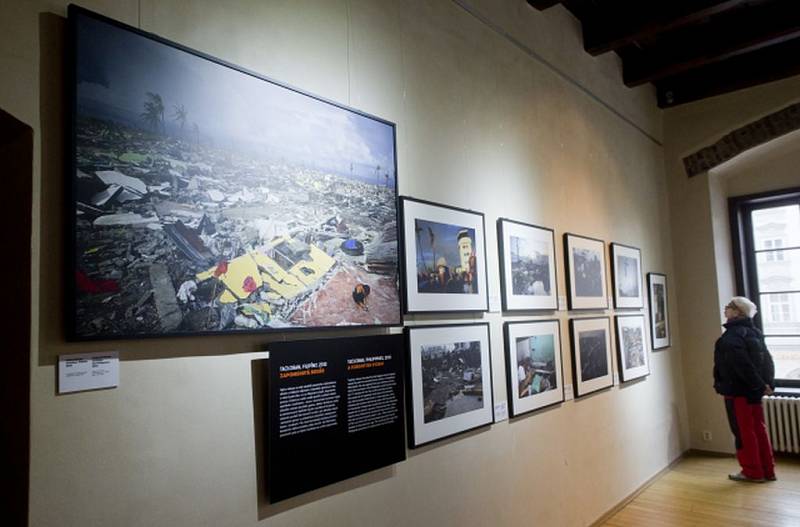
[335, 411]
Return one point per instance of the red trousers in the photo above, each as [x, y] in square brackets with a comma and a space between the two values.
[753, 449]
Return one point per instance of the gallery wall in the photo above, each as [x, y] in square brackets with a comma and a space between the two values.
[498, 109]
[701, 232]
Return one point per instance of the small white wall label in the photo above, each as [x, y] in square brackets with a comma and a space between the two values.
[500, 411]
[88, 371]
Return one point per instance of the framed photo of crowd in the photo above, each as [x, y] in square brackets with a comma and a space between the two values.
[444, 265]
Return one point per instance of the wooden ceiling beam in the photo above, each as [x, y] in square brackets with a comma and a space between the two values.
[612, 28]
[744, 31]
[758, 67]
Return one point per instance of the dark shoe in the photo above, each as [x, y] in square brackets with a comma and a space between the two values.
[741, 477]
[771, 478]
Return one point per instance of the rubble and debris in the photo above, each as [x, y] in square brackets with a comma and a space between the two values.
[186, 291]
[169, 313]
[126, 218]
[203, 239]
[132, 184]
[104, 196]
[189, 243]
[203, 319]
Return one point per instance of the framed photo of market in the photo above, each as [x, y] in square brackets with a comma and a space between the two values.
[205, 198]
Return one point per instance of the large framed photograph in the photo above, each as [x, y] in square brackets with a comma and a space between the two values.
[632, 356]
[586, 272]
[445, 258]
[591, 354]
[659, 310]
[527, 266]
[205, 198]
[626, 276]
[450, 381]
[534, 376]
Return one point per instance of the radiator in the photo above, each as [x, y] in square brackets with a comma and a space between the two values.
[782, 415]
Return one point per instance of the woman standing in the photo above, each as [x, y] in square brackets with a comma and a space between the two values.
[743, 374]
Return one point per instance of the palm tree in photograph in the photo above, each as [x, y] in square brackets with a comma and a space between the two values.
[180, 115]
[153, 113]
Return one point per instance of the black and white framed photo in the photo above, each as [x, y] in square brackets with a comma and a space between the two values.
[527, 266]
[659, 310]
[632, 356]
[586, 272]
[534, 376]
[450, 381]
[445, 258]
[626, 276]
[208, 199]
[591, 354]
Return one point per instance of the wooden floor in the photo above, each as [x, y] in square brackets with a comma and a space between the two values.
[696, 492]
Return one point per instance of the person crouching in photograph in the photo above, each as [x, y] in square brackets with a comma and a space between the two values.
[743, 374]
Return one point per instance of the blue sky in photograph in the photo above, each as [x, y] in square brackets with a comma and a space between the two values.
[445, 239]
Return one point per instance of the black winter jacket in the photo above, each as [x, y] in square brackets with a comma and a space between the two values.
[743, 366]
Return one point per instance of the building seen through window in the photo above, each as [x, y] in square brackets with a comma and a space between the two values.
[775, 242]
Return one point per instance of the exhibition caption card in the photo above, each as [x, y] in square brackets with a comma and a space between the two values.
[88, 371]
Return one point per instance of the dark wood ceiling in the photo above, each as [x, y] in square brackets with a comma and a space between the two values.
[691, 50]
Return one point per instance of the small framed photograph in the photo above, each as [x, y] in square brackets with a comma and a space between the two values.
[586, 272]
[626, 276]
[533, 365]
[450, 381]
[528, 266]
[591, 354]
[632, 356]
[445, 258]
[659, 310]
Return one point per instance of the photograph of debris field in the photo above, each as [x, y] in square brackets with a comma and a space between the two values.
[209, 200]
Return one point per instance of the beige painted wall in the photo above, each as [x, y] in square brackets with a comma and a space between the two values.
[701, 232]
[179, 442]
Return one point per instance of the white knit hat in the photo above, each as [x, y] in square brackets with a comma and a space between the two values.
[744, 305]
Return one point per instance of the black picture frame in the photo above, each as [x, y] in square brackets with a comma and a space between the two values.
[438, 426]
[511, 301]
[82, 326]
[586, 386]
[577, 301]
[661, 337]
[629, 373]
[440, 298]
[520, 405]
[621, 301]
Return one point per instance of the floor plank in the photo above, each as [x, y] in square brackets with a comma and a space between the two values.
[696, 492]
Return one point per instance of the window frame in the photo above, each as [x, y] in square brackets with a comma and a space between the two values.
[740, 210]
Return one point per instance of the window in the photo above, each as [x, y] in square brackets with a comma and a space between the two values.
[766, 240]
